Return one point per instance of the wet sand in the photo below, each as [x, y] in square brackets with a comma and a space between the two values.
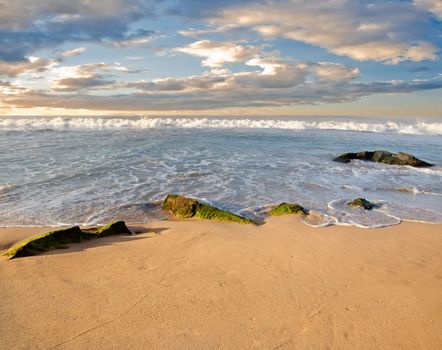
[209, 285]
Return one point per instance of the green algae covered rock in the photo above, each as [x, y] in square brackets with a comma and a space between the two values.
[47, 241]
[362, 203]
[114, 228]
[185, 207]
[384, 157]
[60, 238]
[288, 208]
[181, 206]
[208, 212]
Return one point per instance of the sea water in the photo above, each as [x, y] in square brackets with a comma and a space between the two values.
[89, 170]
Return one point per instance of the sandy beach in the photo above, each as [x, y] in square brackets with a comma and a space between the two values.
[210, 285]
[234, 175]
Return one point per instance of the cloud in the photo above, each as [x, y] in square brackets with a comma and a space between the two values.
[273, 82]
[90, 76]
[274, 74]
[8, 88]
[216, 53]
[188, 84]
[96, 81]
[19, 14]
[74, 52]
[334, 71]
[238, 73]
[382, 31]
[28, 25]
[333, 92]
[135, 58]
[434, 6]
[138, 38]
[29, 65]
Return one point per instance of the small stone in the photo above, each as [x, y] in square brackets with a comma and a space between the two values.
[362, 203]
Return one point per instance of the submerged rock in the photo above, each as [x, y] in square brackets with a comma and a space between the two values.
[185, 207]
[362, 203]
[384, 157]
[288, 208]
[60, 238]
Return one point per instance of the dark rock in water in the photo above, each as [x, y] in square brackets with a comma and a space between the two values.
[185, 207]
[362, 203]
[60, 238]
[384, 157]
[409, 159]
[288, 208]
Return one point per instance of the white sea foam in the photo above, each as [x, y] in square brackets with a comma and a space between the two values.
[318, 219]
[359, 217]
[418, 128]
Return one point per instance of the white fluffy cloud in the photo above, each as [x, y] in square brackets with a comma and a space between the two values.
[377, 30]
[215, 54]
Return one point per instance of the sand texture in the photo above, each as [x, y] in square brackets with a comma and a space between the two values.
[209, 285]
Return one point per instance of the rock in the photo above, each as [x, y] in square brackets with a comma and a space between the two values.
[185, 207]
[384, 157]
[362, 203]
[411, 160]
[47, 241]
[60, 238]
[114, 228]
[181, 206]
[288, 208]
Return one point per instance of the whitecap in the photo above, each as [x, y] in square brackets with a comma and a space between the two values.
[419, 128]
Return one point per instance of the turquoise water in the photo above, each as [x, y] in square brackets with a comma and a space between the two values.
[57, 171]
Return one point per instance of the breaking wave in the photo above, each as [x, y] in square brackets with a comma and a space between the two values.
[417, 128]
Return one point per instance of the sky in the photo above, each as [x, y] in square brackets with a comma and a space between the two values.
[221, 57]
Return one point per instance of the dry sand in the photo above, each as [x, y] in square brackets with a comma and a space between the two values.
[208, 285]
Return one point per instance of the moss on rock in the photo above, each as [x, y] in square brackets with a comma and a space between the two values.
[362, 203]
[114, 228]
[205, 211]
[181, 206]
[60, 238]
[185, 207]
[288, 208]
[47, 241]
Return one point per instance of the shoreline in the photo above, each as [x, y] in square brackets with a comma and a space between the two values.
[202, 284]
[261, 222]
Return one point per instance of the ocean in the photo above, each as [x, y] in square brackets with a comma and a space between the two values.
[89, 170]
